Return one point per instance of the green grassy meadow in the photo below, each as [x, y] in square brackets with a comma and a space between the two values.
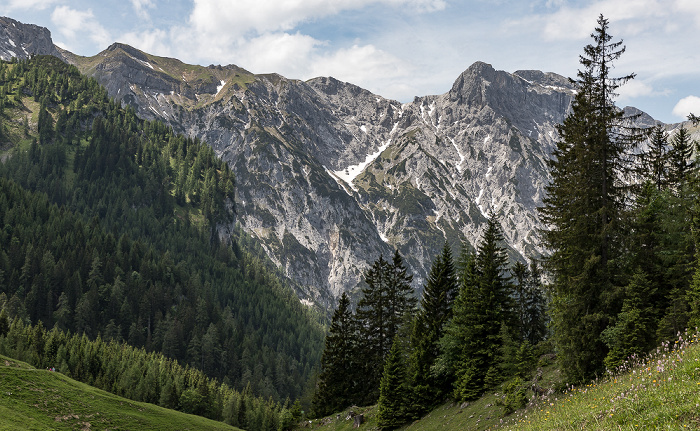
[32, 399]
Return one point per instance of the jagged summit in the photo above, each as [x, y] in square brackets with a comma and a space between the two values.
[126, 48]
[24, 40]
[545, 78]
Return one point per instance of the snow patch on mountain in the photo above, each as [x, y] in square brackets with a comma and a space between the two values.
[351, 172]
[478, 202]
[145, 63]
[461, 156]
[220, 87]
[341, 183]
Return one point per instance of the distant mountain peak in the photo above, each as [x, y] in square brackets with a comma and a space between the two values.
[128, 49]
[545, 78]
[24, 40]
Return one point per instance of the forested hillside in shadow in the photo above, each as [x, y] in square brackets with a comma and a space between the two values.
[116, 227]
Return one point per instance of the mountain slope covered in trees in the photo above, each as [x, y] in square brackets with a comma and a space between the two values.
[115, 226]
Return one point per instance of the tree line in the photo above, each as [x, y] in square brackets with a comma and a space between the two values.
[479, 324]
[139, 375]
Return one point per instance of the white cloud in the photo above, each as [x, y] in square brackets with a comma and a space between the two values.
[287, 54]
[568, 22]
[13, 5]
[215, 16]
[638, 88]
[687, 105]
[359, 64]
[71, 23]
[691, 7]
[141, 6]
[155, 42]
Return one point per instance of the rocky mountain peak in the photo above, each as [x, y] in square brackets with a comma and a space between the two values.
[128, 49]
[546, 79]
[469, 87]
[20, 40]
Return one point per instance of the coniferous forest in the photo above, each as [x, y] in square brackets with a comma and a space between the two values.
[121, 266]
[119, 234]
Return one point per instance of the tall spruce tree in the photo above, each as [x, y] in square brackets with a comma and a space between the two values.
[530, 304]
[336, 383]
[393, 390]
[584, 209]
[656, 158]
[436, 310]
[385, 301]
[680, 158]
[633, 329]
[470, 349]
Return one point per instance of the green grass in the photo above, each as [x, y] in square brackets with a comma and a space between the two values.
[659, 391]
[32, 399]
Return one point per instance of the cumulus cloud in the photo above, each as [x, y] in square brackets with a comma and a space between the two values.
[141, 7]
[13, 5]
[360, 63]
[284, 53]
[213, 16]
[573, 22]
[638, 88]
[687, 105]
[71, 23]
[151, 41]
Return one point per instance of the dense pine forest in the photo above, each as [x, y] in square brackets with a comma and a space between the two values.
[622, 275]
[122, 231]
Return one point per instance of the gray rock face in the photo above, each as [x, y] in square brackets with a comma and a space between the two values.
[330, 176]
[19, 40]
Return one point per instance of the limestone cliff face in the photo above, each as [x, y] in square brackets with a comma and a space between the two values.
[19, 40]
[331, 176]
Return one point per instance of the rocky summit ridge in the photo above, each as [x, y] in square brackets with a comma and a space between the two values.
[331, 176]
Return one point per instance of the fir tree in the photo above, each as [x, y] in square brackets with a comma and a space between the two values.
[693, 297]
[584, 208]
[530, 304]
[655, 159]
[435, 312]
[336, 382]
[680, 161]
[393, 390]
[385, 301]
[472, 342]
[631, 332]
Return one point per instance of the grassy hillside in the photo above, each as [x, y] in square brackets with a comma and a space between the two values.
[660, 391]
[34, 399]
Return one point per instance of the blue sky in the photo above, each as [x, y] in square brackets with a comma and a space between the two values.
[395, 48]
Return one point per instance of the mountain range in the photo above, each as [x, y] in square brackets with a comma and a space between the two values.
[331, 176]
